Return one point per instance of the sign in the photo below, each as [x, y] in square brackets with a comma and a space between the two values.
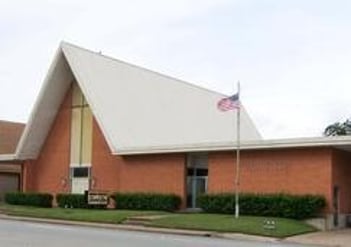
[97, 198]
[269, 224]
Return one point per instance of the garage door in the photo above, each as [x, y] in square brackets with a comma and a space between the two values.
[8, 183]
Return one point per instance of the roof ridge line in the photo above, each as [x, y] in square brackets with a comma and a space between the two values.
[145, 69]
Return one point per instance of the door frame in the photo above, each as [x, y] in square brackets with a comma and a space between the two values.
[195, 162]
[194, 185]
[76, 178]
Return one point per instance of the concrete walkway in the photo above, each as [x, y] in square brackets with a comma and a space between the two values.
[340, 238]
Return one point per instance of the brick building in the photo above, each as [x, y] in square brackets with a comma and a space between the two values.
[105, 125]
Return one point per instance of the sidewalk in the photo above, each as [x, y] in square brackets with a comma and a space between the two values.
[340, 238]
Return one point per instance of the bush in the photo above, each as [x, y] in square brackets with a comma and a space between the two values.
[147, 201]
[29, 199]
[75, 201]
[274, 205]
[71, 201]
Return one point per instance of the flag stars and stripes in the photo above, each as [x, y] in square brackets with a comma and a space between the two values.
[229, 103]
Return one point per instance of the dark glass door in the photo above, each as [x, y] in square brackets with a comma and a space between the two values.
[196, 185]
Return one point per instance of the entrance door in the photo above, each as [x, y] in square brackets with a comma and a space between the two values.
[195, 187]
[197, 171]
[8, 183]
[80, 185]
[80, 179]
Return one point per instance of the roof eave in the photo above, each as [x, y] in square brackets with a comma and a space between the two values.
[7, 157]
[248, 145]
[21, 152]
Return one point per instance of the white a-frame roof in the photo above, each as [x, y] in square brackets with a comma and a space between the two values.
[138, 110]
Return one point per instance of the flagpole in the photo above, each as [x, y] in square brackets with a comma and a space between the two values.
[237, 170]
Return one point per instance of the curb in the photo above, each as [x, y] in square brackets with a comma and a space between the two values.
[148, 229]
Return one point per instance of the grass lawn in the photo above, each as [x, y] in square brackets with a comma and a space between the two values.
[227, 223]
[193, 221]
[91, 215]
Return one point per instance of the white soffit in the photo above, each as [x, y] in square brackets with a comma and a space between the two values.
[138, 109]
[51, 96]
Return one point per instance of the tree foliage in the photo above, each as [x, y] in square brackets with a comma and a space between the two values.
[338, 129]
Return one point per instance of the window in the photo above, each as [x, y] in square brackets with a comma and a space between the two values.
[81, 130]
[200, 172]
[80, 172]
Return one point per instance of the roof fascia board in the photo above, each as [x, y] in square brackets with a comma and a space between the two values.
[26, 133]
[257, 145]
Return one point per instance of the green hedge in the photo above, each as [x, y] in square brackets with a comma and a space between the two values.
[275, 205]
[29, 199]
[75, 201]
[147, 201]
[71, 201]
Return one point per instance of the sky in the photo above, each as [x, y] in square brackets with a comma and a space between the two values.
[292, 57]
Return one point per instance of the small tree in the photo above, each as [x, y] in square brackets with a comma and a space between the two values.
[338, 129]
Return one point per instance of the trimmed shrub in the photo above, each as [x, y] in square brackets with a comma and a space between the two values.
[147, 201]
[274, 205]
[71, 201]
[29, 199]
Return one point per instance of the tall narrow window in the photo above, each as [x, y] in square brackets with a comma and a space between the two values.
[81, 142]
[81, 130]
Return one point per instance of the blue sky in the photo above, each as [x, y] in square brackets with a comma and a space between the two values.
[292, 57]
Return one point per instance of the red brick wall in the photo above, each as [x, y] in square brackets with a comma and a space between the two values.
[155, 173]
[27, 176]
[162, 173]
[105, 167]
[295, 171]
[50, 172]
[342, 178]
[142, 173]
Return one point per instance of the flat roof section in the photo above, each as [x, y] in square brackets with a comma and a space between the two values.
[339, 142]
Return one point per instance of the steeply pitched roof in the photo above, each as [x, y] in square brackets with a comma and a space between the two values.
[138, 110]
[10, 133]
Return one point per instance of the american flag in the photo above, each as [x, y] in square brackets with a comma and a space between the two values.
[229, 103]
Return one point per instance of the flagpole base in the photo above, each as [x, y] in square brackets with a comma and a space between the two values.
[236, 211]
